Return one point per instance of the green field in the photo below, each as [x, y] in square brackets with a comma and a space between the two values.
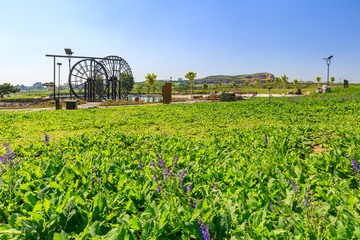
[248, 170]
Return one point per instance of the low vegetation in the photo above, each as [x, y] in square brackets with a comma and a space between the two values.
[250, 169]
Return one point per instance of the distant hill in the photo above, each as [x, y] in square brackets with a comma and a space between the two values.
[240, 79]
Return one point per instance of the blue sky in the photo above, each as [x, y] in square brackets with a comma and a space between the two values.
[170, 38]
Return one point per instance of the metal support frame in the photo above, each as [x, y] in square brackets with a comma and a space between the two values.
[54, 75]
[59, 64]
[89, 79]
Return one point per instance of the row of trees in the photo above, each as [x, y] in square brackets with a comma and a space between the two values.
[277, 82]
[282, 80]
[151, 80]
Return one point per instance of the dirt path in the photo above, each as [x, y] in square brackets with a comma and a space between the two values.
[82, 106]
[96, 104]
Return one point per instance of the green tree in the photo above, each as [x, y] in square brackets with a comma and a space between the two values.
[216, 87]
[276, 83]
[295, 81]
[191, 76]
[268, 82]
[205, 86]
[220, 85]
[257, 83]
[332, 79]
[139, 88]
[150, 81]
[127, 82]
[246, 83]
[233, 84]
[7, 88]
[187, 87]
[284, 79]
[180, 89]
[318, 80]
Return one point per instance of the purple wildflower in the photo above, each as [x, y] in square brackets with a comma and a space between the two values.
[306, 201]
[189, 188]
[161, 162]
[141, 169]
[214, 187]
[266, 140]
[165, 173]
[193, 205]
[271, 207]
[175, 160]
[296, 190]
[47, 139]
[158, 189]
[274, 208]
[154, 177]
[181, 174]
[153, 164]
[355, 166]
[8, 159]
[205, 231]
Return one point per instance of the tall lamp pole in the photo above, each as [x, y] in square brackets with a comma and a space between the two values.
[69, 53]
[59, 64]
[328, 61]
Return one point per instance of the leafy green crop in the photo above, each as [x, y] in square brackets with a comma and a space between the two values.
[247, 170]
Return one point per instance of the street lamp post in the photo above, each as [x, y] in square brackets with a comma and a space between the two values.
[328, 61]
[59, 64]
[57, 101]
[69, 53]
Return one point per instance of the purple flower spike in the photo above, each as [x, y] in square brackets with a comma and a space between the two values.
[165, 173]
[158, 189]
[193, 205]
[306, 200]
[189, 188]
[8, 159]
[175, 160]
[266, 140]
[47, 139]
[180, 175]
[355, 166]
[296, 190]
[214, 187]
[205, 231]
[141, 169]
[160, 161]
